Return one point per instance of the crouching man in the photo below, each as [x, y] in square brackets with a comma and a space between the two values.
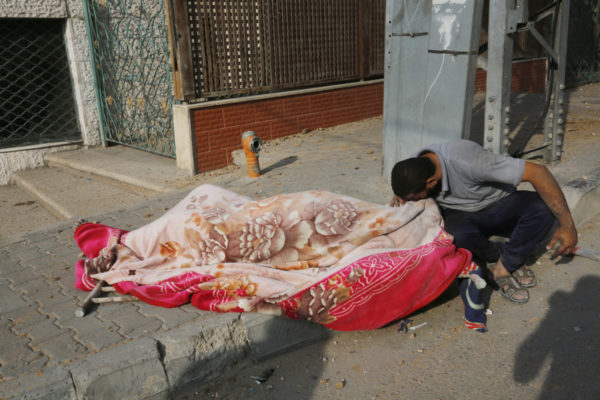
[476, 191]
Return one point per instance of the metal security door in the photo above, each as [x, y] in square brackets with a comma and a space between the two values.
[130, 54]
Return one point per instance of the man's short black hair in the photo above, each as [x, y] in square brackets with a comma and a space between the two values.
[410, 176]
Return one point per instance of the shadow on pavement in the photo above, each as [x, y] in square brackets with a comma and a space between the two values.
[281, 163]
[565, 347]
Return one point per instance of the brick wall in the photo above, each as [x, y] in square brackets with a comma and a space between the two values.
[529, 76]
[218, 129]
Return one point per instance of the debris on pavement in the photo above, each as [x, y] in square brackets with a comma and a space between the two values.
[404, 325]
[262, 378]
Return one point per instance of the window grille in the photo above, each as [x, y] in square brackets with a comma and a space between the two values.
[36, 93]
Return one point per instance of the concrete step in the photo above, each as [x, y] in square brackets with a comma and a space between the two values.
[124, 164]
[70, 193]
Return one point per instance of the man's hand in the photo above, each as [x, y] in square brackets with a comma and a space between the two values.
[565, 237]
[565, 240]
[396, 202]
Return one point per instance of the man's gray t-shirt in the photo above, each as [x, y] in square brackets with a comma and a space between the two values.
[472, 177]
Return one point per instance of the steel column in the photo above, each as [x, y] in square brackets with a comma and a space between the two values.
[555, 118]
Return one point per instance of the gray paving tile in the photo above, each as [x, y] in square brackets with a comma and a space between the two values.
[17, 357]
[47, 244]
[128, 318]
[170, 317]
[94, 333]
[68, 250]
[10, 300]
[9, 266]
[24, 316]
[27, 254]
[46, 299]
[18, 247]
[39, 332]
[146, 329]
[63, 312]
[23, 275]
[42, 264]
[62, 348]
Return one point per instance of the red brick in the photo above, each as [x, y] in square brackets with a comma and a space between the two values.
[296, 105]
[222, 138]
[212, 160]
[310, 121]
[334, 117]
[379, 87]
[238, 114]
[262, 129]
[362, 111]
[330, 101]
[202, 139]
[368, 94]
[268, 110]
[283, 127]
[527, 76]
[208, 118]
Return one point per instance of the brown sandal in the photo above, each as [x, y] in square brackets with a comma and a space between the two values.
[525, 277]
[509, 287]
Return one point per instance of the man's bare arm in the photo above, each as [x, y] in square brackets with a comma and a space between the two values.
[549, 190]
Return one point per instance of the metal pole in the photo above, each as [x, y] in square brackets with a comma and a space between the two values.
[498, 81]
[555, 119]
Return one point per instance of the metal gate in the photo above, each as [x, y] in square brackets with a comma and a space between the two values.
[130, 54]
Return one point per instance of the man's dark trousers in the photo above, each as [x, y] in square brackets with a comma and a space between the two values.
[522, 216]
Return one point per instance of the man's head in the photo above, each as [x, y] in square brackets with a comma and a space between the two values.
[414, 179]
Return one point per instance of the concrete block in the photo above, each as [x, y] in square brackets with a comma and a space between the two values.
[270, 335]
[130, 371]
[196, 352]
[583, 196]
[53, 384]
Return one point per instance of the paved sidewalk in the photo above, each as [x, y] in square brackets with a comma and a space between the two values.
[134, 350]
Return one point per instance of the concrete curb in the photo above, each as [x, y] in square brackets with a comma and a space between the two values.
[583, 196]
[160, 366]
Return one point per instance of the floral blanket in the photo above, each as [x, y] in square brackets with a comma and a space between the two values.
[332, 259]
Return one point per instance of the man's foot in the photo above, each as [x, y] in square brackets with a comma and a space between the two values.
[508, 286]
[525, 277]
[511, 289]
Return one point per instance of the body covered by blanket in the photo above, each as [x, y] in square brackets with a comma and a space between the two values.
[324, 257]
